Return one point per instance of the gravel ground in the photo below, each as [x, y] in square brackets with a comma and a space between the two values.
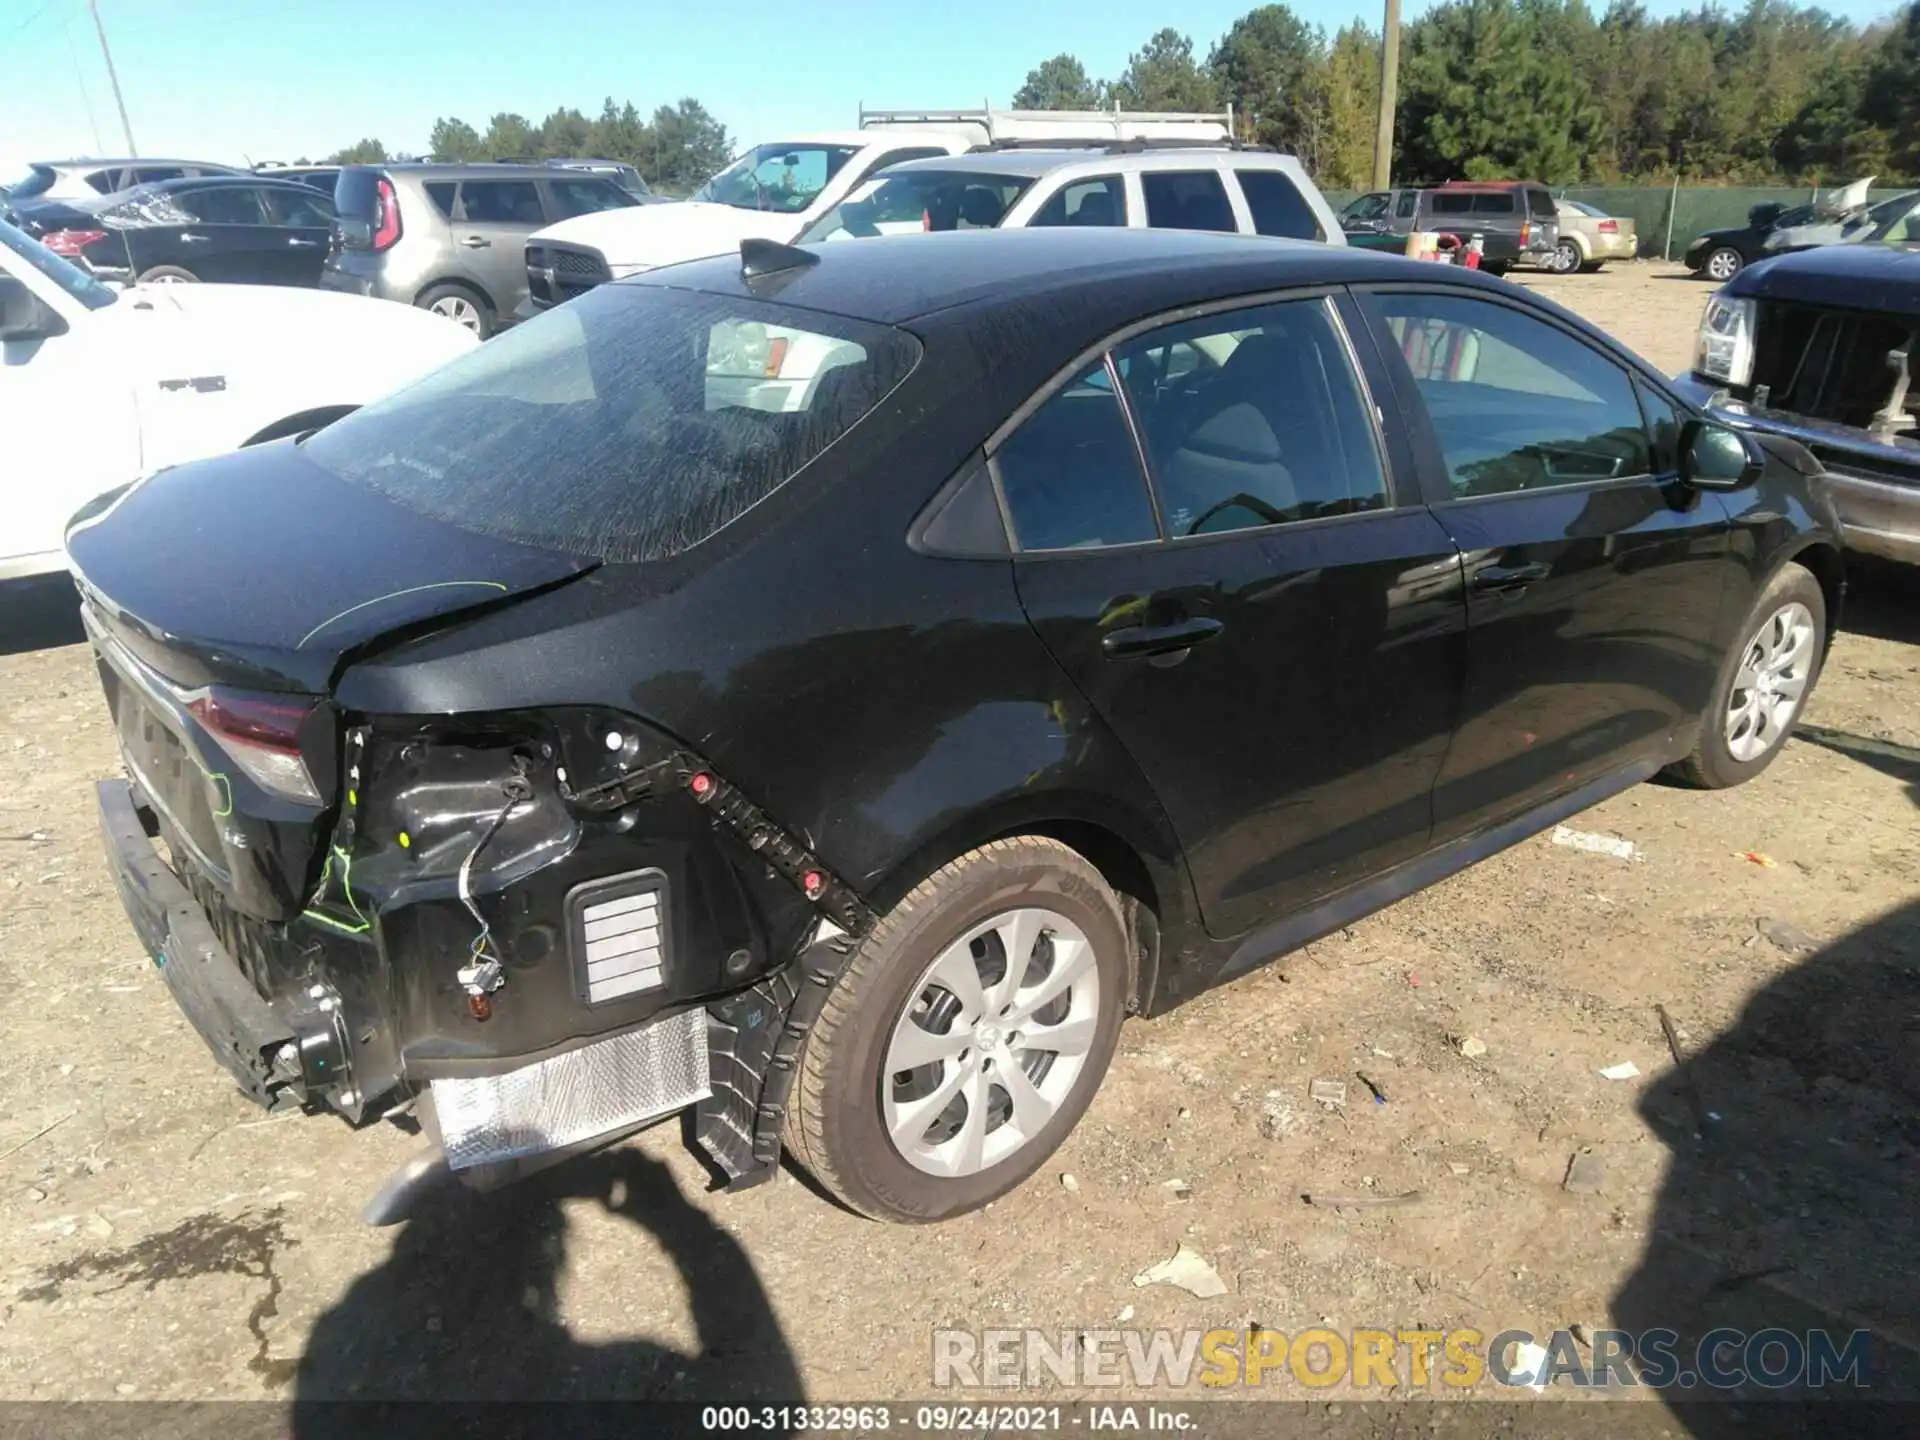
[165, 1240]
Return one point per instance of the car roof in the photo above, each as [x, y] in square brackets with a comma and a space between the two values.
[1100, 277]
[1029, 161]
[1489, 187]
[453, 170]
[112, 163]
[222, 182]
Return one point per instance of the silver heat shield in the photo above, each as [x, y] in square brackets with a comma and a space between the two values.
[599, 1089]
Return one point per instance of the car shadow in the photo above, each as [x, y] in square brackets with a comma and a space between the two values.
[1902, 762]
[1792, 1201]
[1883, 600]
[467, 1308]
[39, 613]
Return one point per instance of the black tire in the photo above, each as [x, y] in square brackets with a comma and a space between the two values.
[1724, 259]
[1565, 259]
[1592, 267]
[169, 275]
[1496, 268]
[835, 1123]
[474, 310]
[1713, 764]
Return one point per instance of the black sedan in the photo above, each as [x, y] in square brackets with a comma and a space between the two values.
[1718, 255]
[831, 688]
[236, 228]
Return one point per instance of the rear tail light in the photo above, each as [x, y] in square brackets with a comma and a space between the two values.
[386, 217]
[1609, 227]
[262, 735]
[70, 243]
[1526, 233]
[776, 356]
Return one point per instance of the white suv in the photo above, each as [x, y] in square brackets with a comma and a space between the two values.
[776, 191]
[1175, 187]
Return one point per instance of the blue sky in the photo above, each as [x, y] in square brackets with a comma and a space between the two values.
[273, 79]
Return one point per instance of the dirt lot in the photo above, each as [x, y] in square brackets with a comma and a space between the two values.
[164, 1240]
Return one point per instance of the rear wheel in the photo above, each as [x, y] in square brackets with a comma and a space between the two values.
[168, 275]
[1723, 264]
[460, 305]
[967, 1036]
[1763, 685]
[1565, 258]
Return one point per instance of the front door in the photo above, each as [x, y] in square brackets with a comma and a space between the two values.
[1594, 575]
[302, 223]
[1275, 640]
[227, 237]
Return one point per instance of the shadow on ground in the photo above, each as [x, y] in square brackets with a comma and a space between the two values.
[1883, 600]
[467, 1308]
[1798, 1208]
[38, 614]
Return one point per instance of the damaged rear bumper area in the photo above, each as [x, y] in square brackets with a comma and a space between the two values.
[536, 968]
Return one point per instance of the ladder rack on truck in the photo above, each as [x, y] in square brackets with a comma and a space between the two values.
[1009, 128]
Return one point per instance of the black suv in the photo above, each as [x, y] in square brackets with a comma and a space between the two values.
[830, 688]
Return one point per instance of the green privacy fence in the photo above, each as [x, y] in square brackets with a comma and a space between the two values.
[1694, 207]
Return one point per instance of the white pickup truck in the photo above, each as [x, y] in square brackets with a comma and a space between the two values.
[777, 190]
[101, 384]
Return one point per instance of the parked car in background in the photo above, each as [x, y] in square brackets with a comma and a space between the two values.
[554, 778]
[1811, 346]
[320, 177]
[1517, 220]
[452, 238]
[1590, 237]
[1718, 255]
[239, 229]
[101, 384]
[85, 179]
[1381, 219]
[777, 191]
[625, 176]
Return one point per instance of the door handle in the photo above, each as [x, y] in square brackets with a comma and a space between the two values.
[187, 237]
[305, 244]
[475, 242]
[1509, 578]
[1135, 641]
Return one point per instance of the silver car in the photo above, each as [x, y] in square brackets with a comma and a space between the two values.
[452, 238]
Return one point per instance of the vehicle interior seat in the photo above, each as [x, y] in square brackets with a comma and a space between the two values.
[1096, 208]
[980, 208]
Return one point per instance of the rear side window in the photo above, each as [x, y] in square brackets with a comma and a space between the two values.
[629, 424]
[228, 205]
[1071, 474]
[920, 200]
[1494, 204]
[441, 193]
[1267, 425]
[501, 202]
[1187, 200]
[1277, 205]
[1409, 202]
[1101, 200]
[1451, 202]
[104, 181]
[39, 180]
[584, 197]
[154, 174]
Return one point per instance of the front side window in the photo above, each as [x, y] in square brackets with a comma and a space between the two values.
[585, 197]
[1071, 475]
[913, 200]
[1187, 200]
[1253, 417]
[1368, 207]
[227, 205]
[299, 207]
[782, 178]
[1277, 206]
[501, 202]
[629, 424]
[1409, 202]
[1100, 201]
[1516, 403]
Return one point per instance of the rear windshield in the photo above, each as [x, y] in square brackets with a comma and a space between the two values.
[1472, 202]
[630, 424]
[920, 200]
[355, 192]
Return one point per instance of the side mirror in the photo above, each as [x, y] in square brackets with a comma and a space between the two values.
[1714, 457]
[24, 315]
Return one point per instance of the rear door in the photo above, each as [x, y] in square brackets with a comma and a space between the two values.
[1187, 200]
[304, 220]
[491, 222]
[228, 239]
[1594, 576]
[1271, 626]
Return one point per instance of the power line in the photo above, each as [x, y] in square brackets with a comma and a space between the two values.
[43, 10]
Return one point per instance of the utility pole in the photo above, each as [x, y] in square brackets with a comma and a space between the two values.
[1389, 83]
[113, 77]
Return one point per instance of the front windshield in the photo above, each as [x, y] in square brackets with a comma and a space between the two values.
[920, 200]
[1368, 207]
[782, 178]
[16, 247]
[1898, 224]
